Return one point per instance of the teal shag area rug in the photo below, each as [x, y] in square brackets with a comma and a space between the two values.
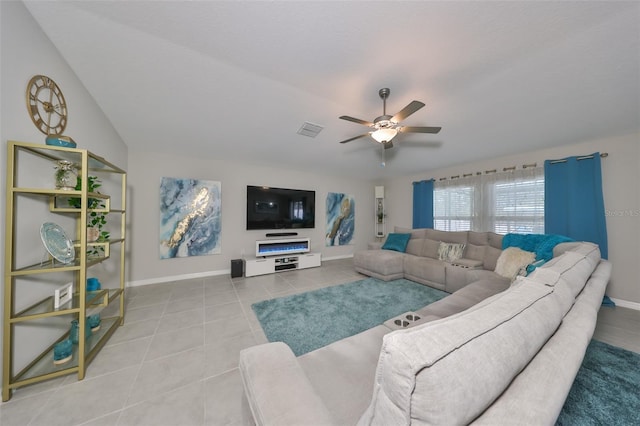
[311, 320]
[606, 390]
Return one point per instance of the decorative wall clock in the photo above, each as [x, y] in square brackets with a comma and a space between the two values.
[46, 104]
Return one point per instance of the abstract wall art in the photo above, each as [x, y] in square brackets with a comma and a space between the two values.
[340, 219]
[190, 217]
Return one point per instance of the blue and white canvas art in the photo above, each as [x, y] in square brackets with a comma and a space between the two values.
[340, 219]
[190, 221]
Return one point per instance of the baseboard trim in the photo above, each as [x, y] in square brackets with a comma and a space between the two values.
[626, 304]
[159, 280]
[342, 256]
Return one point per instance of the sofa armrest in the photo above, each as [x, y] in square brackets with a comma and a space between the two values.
[376, 245]
[277, 390]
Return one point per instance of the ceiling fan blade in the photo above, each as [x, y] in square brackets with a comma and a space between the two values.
[417, 129]
[354, 138]
[407, 111]
[387, 145]
[356, 120]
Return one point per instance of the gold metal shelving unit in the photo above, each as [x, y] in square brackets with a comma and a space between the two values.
[83, 301]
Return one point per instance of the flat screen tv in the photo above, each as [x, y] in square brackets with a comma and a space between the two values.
[280, 208]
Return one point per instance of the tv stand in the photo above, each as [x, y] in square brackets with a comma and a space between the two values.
[281, 255]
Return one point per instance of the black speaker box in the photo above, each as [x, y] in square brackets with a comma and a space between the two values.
[237, 268]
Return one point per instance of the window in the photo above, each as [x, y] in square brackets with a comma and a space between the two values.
[453, 208]
[518, 206]
[500, 202]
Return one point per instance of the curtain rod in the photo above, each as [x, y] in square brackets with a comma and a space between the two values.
[487, 172]
[584, 157]
[524, 166]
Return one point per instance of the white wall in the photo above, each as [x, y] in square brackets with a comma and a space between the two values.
[620, 179]
[24, 52]
[144, 180]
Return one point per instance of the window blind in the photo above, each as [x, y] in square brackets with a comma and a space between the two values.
[500, 202]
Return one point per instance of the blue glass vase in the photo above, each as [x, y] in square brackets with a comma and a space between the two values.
[93, 322]
[73, 333]
[62, 352]
[93, 284]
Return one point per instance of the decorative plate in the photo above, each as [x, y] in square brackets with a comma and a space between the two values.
[57, 243]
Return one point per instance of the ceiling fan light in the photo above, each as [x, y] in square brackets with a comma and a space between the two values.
[384, 135]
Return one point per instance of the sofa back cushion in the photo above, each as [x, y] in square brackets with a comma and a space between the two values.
[415, 233]
[495, 240]
[478, 238]
[414, 246]
[491, 255]
[571, 269]
[430, 248]
[447, 236]
[474, 252]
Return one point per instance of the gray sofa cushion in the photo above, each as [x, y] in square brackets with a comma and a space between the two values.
[483, 274]
[382, 264]
[562, 247]
[447, 236]
[495, 240]
[455, 277]
[475, 252]
[478, 238]
[424, 373]
[414, 246]
[425, 268]
[571, 269]
[430, 248]
[491, 255]
[464, 298]
[269, 395]
[415, 233]
[340, 368]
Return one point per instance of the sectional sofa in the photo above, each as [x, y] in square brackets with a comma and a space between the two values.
[508, 359]
[420, 261]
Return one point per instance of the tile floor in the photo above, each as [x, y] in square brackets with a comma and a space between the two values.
[174, 362]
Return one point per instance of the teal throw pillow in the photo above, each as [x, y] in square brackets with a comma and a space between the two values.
[397, 242]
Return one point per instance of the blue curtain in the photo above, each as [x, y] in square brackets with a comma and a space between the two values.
[423, 204]
[574, 204]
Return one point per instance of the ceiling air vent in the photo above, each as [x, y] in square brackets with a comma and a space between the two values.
[310, 129]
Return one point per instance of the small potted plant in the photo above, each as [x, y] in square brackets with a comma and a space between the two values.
[96, 220]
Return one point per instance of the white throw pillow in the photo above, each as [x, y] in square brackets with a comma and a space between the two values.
[511, 260]
[450, 251]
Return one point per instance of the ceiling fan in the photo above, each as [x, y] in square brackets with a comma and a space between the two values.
[386, 127]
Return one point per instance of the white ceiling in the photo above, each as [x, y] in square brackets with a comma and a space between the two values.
[236, 80]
